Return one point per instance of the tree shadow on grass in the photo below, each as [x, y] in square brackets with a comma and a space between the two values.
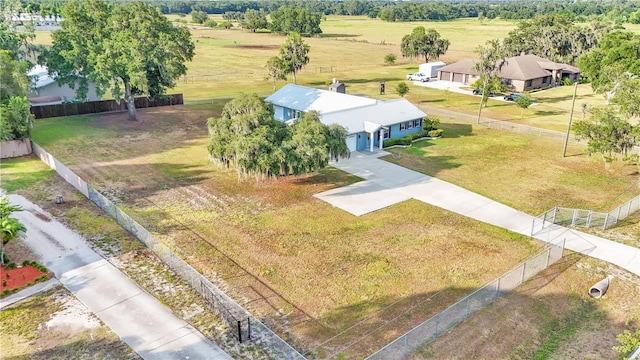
[339, 35]
[547, 112]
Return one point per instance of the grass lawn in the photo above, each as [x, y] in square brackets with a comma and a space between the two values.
[550, 317]
[502, 166]
[296, 260]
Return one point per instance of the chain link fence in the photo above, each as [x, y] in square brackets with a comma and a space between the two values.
[437, 325]
[497, 124]
[240, 322]
[585, 218]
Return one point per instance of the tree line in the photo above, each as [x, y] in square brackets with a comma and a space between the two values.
[617, 10]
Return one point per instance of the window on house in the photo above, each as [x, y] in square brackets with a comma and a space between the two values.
[403, 126]
[545, 79]
[409, 124]
[385, 133]
[529, 83]
[417, 123]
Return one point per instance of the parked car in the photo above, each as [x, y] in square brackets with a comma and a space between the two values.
[418, 77]
[512, 97]
[478, 91]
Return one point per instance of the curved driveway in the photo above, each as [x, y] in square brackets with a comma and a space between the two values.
[386, 184]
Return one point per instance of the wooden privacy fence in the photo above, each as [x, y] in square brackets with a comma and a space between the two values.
[92, 107]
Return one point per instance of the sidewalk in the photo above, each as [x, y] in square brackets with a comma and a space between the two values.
[386, 184]
[139, 319]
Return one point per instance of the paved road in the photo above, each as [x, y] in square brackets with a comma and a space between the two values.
[138, 318]
[386, 184]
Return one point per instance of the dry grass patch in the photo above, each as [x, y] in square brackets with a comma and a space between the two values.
[549, 317]
[55, 325]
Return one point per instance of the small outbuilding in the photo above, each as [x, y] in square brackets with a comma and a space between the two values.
[46, 91]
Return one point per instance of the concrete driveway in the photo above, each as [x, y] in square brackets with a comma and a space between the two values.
[386, 184]
[139, 319]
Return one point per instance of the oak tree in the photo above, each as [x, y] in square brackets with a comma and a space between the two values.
[124, 49]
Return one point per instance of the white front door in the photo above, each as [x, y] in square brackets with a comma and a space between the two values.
[352, 142]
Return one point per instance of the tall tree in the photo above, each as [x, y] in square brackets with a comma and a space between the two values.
[554, 36]
[10, 228]
[422, 42]
[490, 61]
[15, 117]
[199, 16]
[125, 49]
[608, 133]
[276, 70]
[18, 43]
[254, 20]
[613, 66]
[289, 19]
[294, 54]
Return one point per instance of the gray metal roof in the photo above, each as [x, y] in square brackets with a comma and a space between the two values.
[350, 111]
[523, 67]
[304, 99]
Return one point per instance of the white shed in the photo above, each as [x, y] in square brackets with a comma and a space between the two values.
[431, 68]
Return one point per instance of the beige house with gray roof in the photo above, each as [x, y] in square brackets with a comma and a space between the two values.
[521, 73]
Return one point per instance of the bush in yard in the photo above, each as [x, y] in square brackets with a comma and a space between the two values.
[210, 23]
[435, 133]
[389, 59]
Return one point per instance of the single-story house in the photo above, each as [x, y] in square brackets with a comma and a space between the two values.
[368, 121]
[46, 91]
[522, 73]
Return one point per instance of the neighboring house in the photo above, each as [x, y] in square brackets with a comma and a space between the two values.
[46, 22]
[45, 90]
[522, 73]
[368, 121]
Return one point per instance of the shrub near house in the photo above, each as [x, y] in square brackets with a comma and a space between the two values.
[429, 130]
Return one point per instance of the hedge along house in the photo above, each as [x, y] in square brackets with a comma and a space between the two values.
[522, 73]
[368, 121]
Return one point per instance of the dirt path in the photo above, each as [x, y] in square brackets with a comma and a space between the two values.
[139, 319]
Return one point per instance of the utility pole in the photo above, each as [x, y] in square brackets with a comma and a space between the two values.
[573, 104]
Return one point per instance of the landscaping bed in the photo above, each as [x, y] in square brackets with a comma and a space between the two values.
[17, 278]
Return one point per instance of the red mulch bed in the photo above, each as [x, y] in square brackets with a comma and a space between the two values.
[18, 278]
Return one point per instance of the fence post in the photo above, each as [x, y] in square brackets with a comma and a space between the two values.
[240, 331]
[629, 208]
[606, 220]
[533, 226]
[404, 351]
[467, 315]
[524, 266]
[589, 214]
[573, 219]
[555, 211]
[546, 264]
[248, 328]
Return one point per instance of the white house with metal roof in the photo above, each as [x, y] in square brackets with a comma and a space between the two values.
[368, 121]
[45, 90]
